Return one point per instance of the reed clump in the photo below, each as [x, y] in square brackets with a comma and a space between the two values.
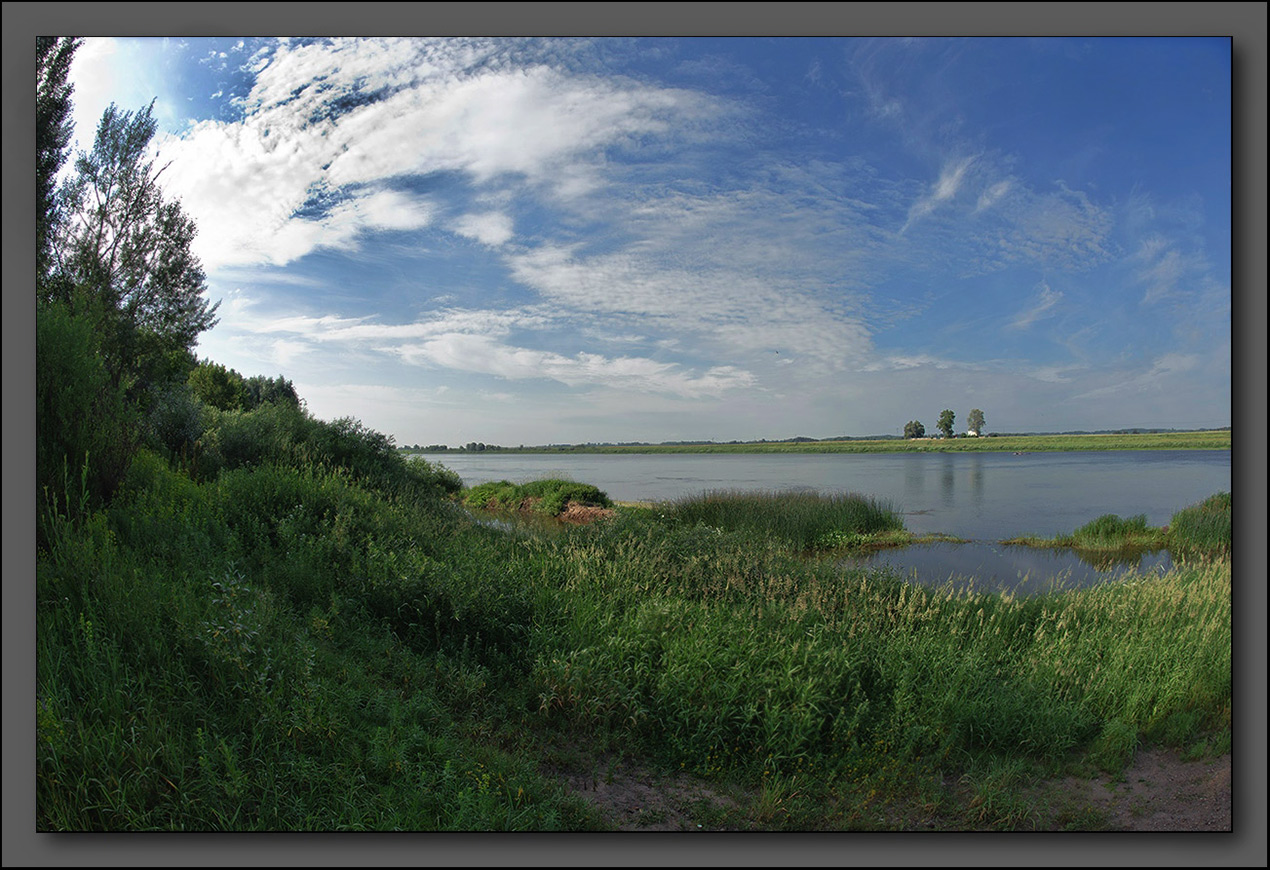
[801, 519]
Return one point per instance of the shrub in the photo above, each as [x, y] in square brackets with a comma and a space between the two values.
[549, 497]
[82, 414]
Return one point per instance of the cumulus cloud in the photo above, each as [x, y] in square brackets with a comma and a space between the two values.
[489, 228]
[327, 121]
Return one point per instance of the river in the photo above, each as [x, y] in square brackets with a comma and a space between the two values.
[980, 497]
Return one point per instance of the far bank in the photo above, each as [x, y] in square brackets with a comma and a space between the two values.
[1219, 439]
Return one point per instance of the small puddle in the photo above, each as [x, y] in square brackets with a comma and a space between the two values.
[1013, 568]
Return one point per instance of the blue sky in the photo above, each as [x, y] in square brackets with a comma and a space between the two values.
[531, 241]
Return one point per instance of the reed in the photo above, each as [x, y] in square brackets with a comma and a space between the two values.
[804, 520]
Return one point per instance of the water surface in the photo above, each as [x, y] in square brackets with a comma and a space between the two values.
[980, 497]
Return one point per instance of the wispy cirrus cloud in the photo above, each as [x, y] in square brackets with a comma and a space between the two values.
[1044, 300]
[485, 355]
[950, 180]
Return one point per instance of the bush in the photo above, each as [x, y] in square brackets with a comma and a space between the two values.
[550, 497]
[175, 422]
[82, 414]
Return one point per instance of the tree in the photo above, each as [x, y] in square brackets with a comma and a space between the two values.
[265, 390]
[124, 253]
[221, 387]
[914, 429]
[975, 421]
[53, 128]
[945, 423]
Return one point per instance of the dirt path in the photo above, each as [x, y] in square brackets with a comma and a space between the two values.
[1158, 792]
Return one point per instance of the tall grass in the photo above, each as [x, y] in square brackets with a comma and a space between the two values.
[297, 643]
[1203, 529]
[548, 497]
[805, 520]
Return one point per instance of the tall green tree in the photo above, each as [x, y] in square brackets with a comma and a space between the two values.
[914, 429]
[945, 424]
[124, 251]
[975, 422]
[53, 129]
[219, 386]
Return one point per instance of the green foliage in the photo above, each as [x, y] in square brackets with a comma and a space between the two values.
[975, 421]
[124, 253]
[549, 497]
[53, 129]
[290, 644]
[804, 520]
[945, 424]
[1110, 529]
[1203, 529]
[82, 416]
[914, 429]
[220, 387]
[261, 390]
[175, 424]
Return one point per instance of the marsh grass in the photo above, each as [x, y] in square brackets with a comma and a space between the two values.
[1201, 530]
[804, 520]
[548, 497]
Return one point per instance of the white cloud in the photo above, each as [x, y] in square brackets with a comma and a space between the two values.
[950, 179]
[484, 355]
[419, 107]
[730, 310]
[1160, 378]
[1045, 299]
[489, 228]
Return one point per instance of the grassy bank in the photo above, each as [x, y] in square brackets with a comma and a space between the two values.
[1212, 440]
[301, 633]
[1200, 531]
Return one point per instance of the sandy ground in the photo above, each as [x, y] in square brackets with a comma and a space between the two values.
[1158, 792]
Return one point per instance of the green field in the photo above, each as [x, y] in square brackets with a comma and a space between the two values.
[1208, 440]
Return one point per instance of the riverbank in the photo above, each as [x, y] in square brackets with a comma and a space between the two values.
[1219, 439]
[282, 640]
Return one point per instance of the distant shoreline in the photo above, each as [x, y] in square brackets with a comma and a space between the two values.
[1021, 444]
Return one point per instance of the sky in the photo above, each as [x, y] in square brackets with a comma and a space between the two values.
[538, 241]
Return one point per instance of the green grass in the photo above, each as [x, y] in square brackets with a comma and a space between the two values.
[803, 520]
[292, 644]
[1202, 530]
[1207, 440]
[547, 497]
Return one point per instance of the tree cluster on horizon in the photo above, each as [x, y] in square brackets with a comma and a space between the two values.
[974, 421]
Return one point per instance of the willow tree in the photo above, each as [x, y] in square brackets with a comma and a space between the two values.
[123, 251]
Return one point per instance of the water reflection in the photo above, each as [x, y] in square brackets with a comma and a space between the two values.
[1002, 568]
